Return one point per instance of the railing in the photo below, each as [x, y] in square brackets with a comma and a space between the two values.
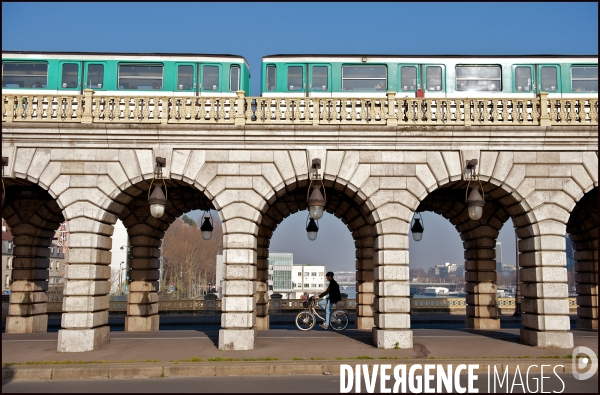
[242, 110]
[417, 304]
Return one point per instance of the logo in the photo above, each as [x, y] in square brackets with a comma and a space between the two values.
[579, 364]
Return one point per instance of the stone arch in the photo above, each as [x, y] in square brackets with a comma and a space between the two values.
[539, 203]
[479, 241]
[145, 236]
[33, 216]
[582, 229]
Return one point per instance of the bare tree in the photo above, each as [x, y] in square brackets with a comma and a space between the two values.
[190, 261]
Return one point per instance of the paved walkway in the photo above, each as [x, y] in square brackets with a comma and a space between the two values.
[193, 350]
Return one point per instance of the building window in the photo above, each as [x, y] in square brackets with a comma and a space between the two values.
[305, 274]
[24, 75]
[478, 78]
[141, 77]
[7, 280]
[584, 79]
[313, 274]
[306, 286]
[321, 274]
[364, 78]
[234, 78]
[299, 274]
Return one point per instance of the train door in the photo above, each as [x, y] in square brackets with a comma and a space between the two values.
[209, 80]
[94, 76]
[295, 75]
[433, 80]
[70, 77]
[523, 82]
[185, 79]
[319, 78]
[548, 79]
[410, 78]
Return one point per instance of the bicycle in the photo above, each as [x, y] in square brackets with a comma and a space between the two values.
[306, 320]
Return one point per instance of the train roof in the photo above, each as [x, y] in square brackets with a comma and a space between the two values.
[428, 56]
[126, 54]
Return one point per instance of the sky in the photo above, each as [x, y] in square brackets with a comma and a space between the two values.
[254, 30]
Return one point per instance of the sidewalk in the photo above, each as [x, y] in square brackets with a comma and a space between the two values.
[281, 350]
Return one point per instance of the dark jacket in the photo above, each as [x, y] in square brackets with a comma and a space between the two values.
[333, 291]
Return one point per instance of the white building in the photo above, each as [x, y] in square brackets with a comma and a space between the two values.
[119, 264]
[307, 280]
[293, 280]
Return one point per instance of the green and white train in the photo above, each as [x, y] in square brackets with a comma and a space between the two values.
[372, 76]
[356, 76]
[119, 74]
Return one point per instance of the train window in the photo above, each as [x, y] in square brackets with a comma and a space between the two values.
[549, 79]
[271, 74]
[234, 78]
[70, 75]
[294, 78]
[584, 78]
[523, 78]
[210, 77]
[434, 78]
[478, 78]
[144, 77]
[320, 78]
[408, 78]
[24, 75]
[95, 76]
[364, 78]
[185, 77]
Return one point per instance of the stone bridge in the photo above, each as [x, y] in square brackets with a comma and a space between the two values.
[90, 161]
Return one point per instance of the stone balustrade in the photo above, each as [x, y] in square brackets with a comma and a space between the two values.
[392, 111]
[417, 304]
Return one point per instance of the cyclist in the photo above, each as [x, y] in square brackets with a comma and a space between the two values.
[332, 296]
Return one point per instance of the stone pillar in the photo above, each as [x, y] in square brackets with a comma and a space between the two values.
[480, 278]
[583, 231]
[276, 304]
[85, 306]
[262, 275]
[142, 300]
[28, 299]
[365, 295]
[238, 320]
[364, 277]
[545, 309]
[392, 291]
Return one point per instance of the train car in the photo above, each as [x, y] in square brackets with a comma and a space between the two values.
[371, 76]
[121, 74]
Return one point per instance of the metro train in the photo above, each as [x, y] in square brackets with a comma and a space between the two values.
[428, 76]
[356, 76]
[124, 74]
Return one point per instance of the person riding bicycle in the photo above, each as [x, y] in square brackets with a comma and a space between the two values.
[332, 296]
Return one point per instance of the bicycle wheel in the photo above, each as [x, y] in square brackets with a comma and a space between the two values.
[305, 321]
[338, 321]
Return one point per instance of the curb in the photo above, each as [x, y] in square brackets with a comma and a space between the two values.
[279, 368]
